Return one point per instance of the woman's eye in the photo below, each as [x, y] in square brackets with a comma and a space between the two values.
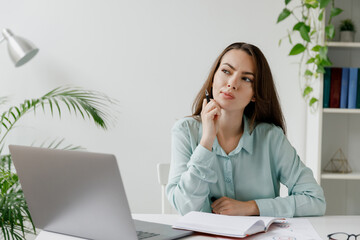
[225, 71]
[246, 79]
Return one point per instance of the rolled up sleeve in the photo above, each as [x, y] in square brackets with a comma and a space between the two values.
[190, 172]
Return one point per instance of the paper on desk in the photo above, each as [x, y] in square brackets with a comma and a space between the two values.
[293, 229]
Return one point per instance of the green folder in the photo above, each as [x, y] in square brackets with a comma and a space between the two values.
[326, 93]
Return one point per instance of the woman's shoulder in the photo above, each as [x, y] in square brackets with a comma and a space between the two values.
[186, 123]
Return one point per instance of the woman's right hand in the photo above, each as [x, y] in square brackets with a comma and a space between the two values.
[210, 115]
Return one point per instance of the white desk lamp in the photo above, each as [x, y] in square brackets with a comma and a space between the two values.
[20, 49]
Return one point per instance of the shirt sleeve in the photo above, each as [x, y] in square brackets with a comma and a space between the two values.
[306, 197]
[190, 172]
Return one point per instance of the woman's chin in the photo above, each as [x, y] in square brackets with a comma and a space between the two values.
[231, 108]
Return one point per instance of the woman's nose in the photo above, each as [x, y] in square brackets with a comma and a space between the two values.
[232, 84]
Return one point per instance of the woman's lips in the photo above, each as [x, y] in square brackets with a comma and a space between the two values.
[227, 95]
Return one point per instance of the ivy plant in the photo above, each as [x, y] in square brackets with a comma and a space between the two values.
[313, 50]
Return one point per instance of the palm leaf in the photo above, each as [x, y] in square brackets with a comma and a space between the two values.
[58, 144]
[90, 104]
[3, 100]
[14, 212]
[5, 162]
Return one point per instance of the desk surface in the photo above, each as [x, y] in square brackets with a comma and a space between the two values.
[323, 225]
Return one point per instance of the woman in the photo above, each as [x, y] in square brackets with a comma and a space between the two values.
[231, 155]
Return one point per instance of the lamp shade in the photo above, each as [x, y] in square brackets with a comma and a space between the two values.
[20, 49]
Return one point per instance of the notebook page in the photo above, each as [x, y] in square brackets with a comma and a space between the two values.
[222, 224]
[294, 228]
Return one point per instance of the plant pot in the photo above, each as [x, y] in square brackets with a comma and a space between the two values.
[347, 36]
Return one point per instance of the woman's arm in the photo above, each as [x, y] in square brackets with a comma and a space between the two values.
[191, 164]
[306, 197]
[190, 171]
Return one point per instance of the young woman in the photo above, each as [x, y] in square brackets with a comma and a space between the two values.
[232, 154]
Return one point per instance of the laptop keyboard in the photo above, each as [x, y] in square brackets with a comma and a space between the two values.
[143, 235]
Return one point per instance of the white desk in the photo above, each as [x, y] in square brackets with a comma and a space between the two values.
[323, 225]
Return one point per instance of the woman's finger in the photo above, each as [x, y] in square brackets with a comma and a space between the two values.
[213, 113]
[221, 209]
[210, 105]
[217, 202]
[204, 103]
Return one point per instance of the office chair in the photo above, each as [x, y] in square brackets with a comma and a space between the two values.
[163, 176]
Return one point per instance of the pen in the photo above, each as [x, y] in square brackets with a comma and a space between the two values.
[207, 96]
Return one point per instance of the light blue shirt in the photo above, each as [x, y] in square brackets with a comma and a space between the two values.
[252, 171]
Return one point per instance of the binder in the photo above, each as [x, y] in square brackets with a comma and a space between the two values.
[353, 79]
[358, 91]
[335, 87]
[344, 88]
[326, 92]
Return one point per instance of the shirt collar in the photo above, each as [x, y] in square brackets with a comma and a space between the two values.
[245, 142]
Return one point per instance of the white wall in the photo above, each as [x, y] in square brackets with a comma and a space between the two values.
[152, 56]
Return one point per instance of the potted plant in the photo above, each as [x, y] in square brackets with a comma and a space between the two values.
[347, 30]
[15, 217]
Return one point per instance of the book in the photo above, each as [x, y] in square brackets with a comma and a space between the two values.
[353, 79]
[224, 225]
[358, 91]
[326, 93]
[344, 88]
[335, 87]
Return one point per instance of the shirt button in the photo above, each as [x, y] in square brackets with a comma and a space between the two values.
[228, 180]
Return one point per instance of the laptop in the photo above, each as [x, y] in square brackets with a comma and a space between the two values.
[80, 194]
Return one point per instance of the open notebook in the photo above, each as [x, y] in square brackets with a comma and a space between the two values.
[223, 225]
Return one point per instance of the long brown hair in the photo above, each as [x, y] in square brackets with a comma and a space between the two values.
[266, 107]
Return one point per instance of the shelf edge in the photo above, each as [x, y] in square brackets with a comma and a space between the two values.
[344, 176]
[341, 110]
[344, 44]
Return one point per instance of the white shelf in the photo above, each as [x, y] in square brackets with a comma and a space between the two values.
[341, 110]
[344, 176]
[344, 44]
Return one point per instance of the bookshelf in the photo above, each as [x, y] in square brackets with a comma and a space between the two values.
[329, 129]
[344, 44]
[341, 110]
[341, 176]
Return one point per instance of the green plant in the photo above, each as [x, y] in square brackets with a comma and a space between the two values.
[309, 16]
[14, 214]
[347, 25]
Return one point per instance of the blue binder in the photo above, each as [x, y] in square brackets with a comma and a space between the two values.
[344, 88]
[353, 78]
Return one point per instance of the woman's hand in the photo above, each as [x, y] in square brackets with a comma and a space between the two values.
[228, 206]
[210, 122]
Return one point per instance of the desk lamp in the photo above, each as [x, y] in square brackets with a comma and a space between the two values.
[20, 49]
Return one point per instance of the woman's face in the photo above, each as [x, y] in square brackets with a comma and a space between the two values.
[233, 81]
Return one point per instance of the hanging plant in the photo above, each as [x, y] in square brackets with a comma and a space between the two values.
[309, 16]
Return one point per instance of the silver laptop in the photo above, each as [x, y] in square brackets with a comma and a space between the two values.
[80, 194]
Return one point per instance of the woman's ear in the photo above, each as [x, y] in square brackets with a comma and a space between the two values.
[253, 99]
